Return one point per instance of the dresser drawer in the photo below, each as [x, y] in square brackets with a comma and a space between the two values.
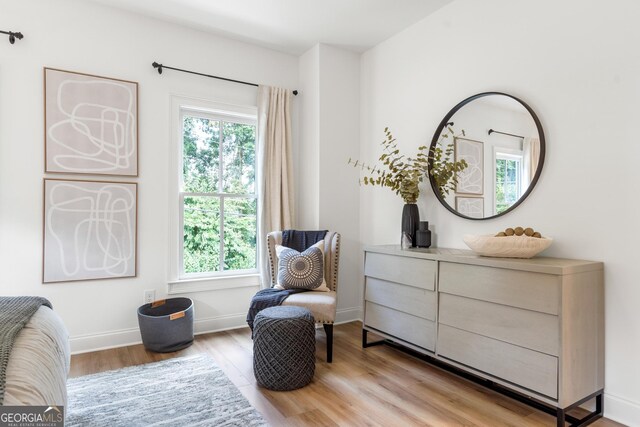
[532, 291]
[531, 329]
[526, 368]
[417, 301]
[412, 329]
[416, 272]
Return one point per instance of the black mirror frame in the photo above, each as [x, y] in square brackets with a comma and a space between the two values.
[446, 120]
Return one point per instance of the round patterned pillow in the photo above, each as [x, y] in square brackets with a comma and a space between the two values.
[301, 270]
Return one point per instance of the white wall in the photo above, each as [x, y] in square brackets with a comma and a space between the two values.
[329, 192]
[84, 37]
[573, 62]
[308, 165]
[339, 191]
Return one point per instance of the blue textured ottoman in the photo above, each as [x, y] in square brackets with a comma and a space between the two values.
[284, 347]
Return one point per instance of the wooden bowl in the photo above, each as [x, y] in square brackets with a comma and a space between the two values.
[507, 247]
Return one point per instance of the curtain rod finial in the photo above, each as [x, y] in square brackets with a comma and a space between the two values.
[13, 35]
[295, 92]
[158, 66]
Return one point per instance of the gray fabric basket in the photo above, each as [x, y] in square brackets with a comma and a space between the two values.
[164, 327]
[284, 347]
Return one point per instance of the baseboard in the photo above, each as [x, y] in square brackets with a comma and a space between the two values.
[105, 340]
[347, 315]
[621, 410]
[220, 323]
[124, 337]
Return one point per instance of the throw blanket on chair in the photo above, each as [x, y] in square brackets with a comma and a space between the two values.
[15, 312]
[266, 298]
[301, 240]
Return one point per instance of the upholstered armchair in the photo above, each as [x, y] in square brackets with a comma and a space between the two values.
[321, 304]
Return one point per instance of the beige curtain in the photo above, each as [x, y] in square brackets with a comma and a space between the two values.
[534, 149]
[274, 168]
[531, 150]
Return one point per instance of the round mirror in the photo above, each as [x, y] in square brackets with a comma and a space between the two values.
[486, 155]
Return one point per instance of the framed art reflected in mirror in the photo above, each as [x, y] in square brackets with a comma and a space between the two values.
[471, 179]
[471, 207]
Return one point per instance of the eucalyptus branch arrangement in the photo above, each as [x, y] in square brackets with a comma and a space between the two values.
[403, 174]
[443, 170]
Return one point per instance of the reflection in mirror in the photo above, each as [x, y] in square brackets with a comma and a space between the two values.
[502, 141]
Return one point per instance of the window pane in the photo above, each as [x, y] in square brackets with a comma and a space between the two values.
[501, 166]
[239, 233]
[201, 142]
[507, 183]
[201, 234]
[239, 158]
[512, 170]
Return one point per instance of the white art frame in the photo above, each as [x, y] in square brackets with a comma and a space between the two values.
[89, 230]
[471, 207]
[471, 179]
[91, 124]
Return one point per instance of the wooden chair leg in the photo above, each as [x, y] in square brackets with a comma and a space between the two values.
[328, 330]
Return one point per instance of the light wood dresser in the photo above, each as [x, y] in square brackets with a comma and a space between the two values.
[532, 326]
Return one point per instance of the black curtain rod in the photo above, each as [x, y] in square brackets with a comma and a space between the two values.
[160, 67]
[13, 35]
[504, 133]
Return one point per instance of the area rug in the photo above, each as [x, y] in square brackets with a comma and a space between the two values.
[186, 391]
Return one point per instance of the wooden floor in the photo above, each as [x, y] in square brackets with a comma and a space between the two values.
[377, 386]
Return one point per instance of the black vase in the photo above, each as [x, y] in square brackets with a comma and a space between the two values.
[410, 221]
[423, 235]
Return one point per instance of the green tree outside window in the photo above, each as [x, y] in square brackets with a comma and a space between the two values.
[219, 195]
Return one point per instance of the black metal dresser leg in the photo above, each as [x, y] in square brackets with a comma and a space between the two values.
[563, 417]
[366, 344]
[560, 417]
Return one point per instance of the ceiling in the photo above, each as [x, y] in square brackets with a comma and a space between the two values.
[291, 26]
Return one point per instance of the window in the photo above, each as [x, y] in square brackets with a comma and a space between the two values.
[508, 177]
[217, 194]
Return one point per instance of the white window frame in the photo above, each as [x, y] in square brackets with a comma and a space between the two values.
[180, 282]
[501, 153]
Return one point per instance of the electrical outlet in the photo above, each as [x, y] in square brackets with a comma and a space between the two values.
[149, 296]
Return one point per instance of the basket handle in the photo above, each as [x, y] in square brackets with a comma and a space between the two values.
[178, 315]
